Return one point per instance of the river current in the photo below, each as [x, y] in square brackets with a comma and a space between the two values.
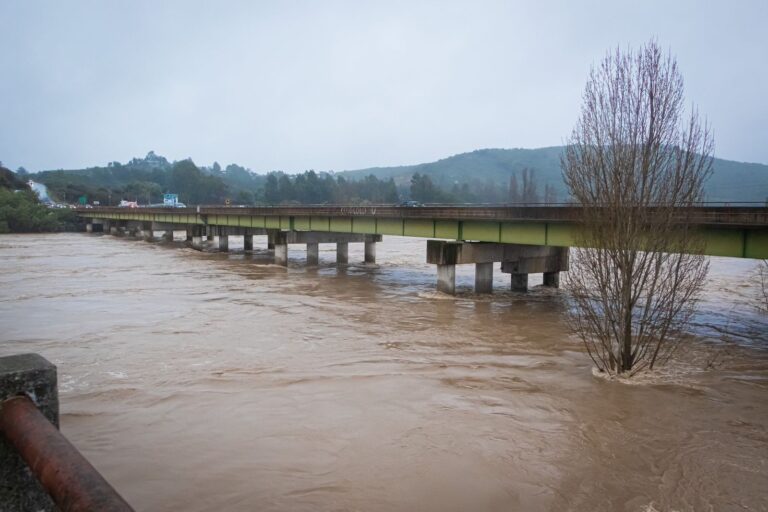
[203, 381]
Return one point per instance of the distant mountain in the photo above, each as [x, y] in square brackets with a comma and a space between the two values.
[730, 182]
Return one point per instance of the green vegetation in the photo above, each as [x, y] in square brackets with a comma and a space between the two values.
[485, 175]
[21, 212]
[145, 180]
[482, 176]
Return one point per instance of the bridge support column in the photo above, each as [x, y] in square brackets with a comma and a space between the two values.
[446, 279]
[196, 233]
[552, 279]
[190, 235]
[113, 230]
[148, 233]
[483, 277]
[370, 251]
[209, 233]
[313, 254]
[89, 227]
[519, 282]
[271, 235]
[248, 242]
[168, 235]
[342, 253]
[281, 254]
[224, 243]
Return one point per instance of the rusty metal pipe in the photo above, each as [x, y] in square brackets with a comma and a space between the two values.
[71, 481]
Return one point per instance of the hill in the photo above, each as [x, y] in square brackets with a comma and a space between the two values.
[481, 176]
[12, 181]
[730, 182]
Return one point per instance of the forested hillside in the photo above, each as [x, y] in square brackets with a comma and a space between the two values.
[482, 176]
[487, 173]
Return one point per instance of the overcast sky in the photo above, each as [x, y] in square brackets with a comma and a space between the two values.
[345, 85]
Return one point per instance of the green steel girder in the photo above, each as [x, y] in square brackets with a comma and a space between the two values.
[738, 242]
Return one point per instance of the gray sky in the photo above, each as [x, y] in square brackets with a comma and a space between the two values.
[344, 85]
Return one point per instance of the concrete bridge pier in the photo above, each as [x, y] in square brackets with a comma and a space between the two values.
[552, 279]
[272, 234]
[446, 279]
[370, 250]
[312, 239]
[114, 230]
[516, 259]
[89, 227]
[190, 235]
[248, 242]
[549, 261]
[281, 253]
[223, 243]
[148, 233]
[342, 253]
[313, 254]
[519, 282]
[483, 277]
[197, 232]
[168, 235]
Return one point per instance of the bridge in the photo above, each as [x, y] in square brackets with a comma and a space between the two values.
[525, 239]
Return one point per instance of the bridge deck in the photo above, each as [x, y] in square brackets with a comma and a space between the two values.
[729, 231]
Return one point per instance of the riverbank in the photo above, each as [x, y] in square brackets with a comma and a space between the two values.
[21, 212]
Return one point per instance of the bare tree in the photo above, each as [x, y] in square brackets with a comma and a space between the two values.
[636, 163]
[530, 192]
[550, 194]
[514, 192]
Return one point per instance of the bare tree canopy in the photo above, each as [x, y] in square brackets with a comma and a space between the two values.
[635, 162]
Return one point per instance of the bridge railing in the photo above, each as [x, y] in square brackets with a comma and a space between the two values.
[706, 214]
[30, 442]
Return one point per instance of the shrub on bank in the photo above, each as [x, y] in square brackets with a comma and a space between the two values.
[21, 212]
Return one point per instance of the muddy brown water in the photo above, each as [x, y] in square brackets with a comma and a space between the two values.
[204, 381]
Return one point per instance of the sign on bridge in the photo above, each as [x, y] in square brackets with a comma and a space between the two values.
[170, 199]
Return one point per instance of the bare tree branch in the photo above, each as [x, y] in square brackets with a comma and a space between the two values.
[635, 163]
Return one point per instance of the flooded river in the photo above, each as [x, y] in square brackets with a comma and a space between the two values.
[204, 381]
